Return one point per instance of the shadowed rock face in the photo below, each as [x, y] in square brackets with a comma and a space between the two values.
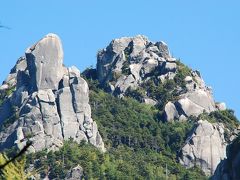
[229, 169]
[50, 101]
[205, 147]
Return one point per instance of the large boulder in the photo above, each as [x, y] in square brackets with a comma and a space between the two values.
[205, 147]
[202, 98]
[188, 107]
[171, 112]
[48, 103]
[192, 103]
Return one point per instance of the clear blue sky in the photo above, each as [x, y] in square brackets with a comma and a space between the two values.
[204, 34]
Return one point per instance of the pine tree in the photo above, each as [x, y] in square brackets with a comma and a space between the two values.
[13, 170]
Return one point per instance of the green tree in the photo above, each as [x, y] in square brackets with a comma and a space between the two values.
[14, 169]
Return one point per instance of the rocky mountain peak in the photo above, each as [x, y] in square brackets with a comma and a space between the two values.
[118, 45]
[45, 102]
[45, 62]
[135, 65]
[146, 71]
[130, 50]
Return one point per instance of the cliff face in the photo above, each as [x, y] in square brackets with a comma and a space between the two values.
[46, 102]
[205, 147]
[229, 169]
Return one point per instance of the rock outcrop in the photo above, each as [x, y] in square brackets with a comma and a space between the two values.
[75, 174]
[229, 169]
[129, 62]
[45, 102]
[205, 147]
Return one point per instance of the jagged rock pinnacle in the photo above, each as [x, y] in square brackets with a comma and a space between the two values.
[49, 102]
[44, 60]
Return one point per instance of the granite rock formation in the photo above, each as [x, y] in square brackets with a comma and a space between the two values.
[129, 62]
[229, 169]
[46, 102]
[205, 147]
[75, 174]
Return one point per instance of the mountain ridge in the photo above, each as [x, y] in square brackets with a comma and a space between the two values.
[125, 68]
[136, 79]
[129, 62]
